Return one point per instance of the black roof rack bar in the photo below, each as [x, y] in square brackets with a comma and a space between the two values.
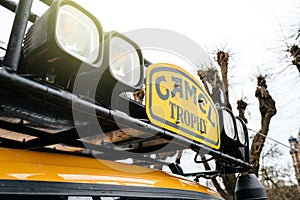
[54, 150]
[9, 143]
[66, 99]
[12, 6]
[68, 137]
[60, 137]
[159, 148]
[51, 139]
[14, 47]
[123, 154]
[142, 126]
[208, 173]
[40, 143]
[43, 138]
[112, 154]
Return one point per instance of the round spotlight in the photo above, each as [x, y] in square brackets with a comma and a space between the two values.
[241, 131]
[229, 124]
[61, 41]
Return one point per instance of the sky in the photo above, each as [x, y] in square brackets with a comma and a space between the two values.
[253, 31]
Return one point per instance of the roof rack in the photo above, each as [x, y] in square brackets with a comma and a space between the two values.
[40, 117]
[70, 137]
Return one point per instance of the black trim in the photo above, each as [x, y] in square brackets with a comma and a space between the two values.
[84, 189]
[14, 47]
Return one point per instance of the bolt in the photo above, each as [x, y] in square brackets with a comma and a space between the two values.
[200, 101]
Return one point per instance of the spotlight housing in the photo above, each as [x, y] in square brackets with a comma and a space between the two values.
[63, 39]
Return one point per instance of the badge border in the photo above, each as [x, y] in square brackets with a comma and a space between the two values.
[154, 68]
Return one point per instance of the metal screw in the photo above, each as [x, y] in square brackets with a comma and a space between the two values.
[176, 85]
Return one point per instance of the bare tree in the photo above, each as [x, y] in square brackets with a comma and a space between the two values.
[295, 52]
[268, 110]
[222, 59]
[241, 106]
[211, 78]
[279, 189]
[277, 179]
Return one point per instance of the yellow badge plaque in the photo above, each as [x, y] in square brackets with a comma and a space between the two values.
[177, 101]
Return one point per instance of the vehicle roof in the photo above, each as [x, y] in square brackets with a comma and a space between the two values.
[54, 167]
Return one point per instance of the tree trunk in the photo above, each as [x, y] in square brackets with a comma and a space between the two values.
[212, 78]
[268, 110]
[295, 51]
[241, 106]
[222, 59]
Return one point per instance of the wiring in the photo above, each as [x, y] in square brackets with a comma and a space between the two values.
[202, 161]
[273, 140]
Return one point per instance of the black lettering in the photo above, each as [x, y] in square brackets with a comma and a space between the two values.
[179, 114]
[190, 92]
[204, 127]
[187, 118]
[203, 103]
[158, 86]
[193, 120]
[177, 87]
[198, 123]
[201, 125]
[173, 106]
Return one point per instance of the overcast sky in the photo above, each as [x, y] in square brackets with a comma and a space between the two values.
[251, 30]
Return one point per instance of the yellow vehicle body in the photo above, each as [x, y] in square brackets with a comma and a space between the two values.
[21, 165]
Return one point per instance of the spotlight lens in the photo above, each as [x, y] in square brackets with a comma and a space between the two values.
[77, 34]
[241, 132]
[229, 125]
[124, 62]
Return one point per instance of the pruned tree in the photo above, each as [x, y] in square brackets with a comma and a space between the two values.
[268, 110]
[215, 87]
[211, 79]
[295, 53]
[139, 95]
[241, 106]
[222, 59]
